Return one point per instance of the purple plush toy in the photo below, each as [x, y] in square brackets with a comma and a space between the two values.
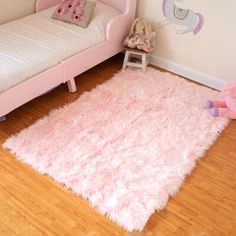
[227, 107]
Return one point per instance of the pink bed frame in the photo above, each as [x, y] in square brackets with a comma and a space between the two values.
[65, 72]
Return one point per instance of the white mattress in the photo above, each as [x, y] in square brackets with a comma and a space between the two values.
[35, 43]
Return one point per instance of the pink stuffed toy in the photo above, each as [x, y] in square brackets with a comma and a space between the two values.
[226, 108]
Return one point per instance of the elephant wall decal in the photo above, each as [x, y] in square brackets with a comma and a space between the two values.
[192, 21]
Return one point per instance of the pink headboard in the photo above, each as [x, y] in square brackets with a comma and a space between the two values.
[118, 4]
[44, 4]
[121, 5]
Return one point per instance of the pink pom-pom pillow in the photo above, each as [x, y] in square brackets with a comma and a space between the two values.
[78, 12]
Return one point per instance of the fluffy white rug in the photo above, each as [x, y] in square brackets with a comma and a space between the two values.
[127, 145]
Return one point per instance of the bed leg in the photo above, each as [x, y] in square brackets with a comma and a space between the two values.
[2, 118]
[71, 85]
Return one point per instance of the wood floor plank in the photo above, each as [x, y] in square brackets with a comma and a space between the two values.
[32, 204]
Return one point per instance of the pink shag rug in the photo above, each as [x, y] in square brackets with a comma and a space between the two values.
[125, 146]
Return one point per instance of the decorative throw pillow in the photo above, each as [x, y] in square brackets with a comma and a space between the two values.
[78, 12]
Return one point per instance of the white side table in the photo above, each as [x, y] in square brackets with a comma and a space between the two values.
[136, 53]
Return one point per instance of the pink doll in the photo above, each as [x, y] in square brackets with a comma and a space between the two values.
[140, 36]
[227, 107]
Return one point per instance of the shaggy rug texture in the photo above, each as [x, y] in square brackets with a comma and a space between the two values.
[125, 146]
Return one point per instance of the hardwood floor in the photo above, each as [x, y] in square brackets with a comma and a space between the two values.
[32, 204]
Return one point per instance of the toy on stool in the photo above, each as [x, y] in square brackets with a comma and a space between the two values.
[227, 107]
[140, 36]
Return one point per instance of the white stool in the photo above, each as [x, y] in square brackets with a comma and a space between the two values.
[137, 53]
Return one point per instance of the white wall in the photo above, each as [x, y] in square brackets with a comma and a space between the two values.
[13, 9]
[208, 57]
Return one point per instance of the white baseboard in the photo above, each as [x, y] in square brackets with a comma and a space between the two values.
[187, 72]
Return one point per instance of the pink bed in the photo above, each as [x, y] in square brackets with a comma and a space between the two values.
[66, 70]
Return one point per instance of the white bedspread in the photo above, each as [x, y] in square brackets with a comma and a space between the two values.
[35, 43]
